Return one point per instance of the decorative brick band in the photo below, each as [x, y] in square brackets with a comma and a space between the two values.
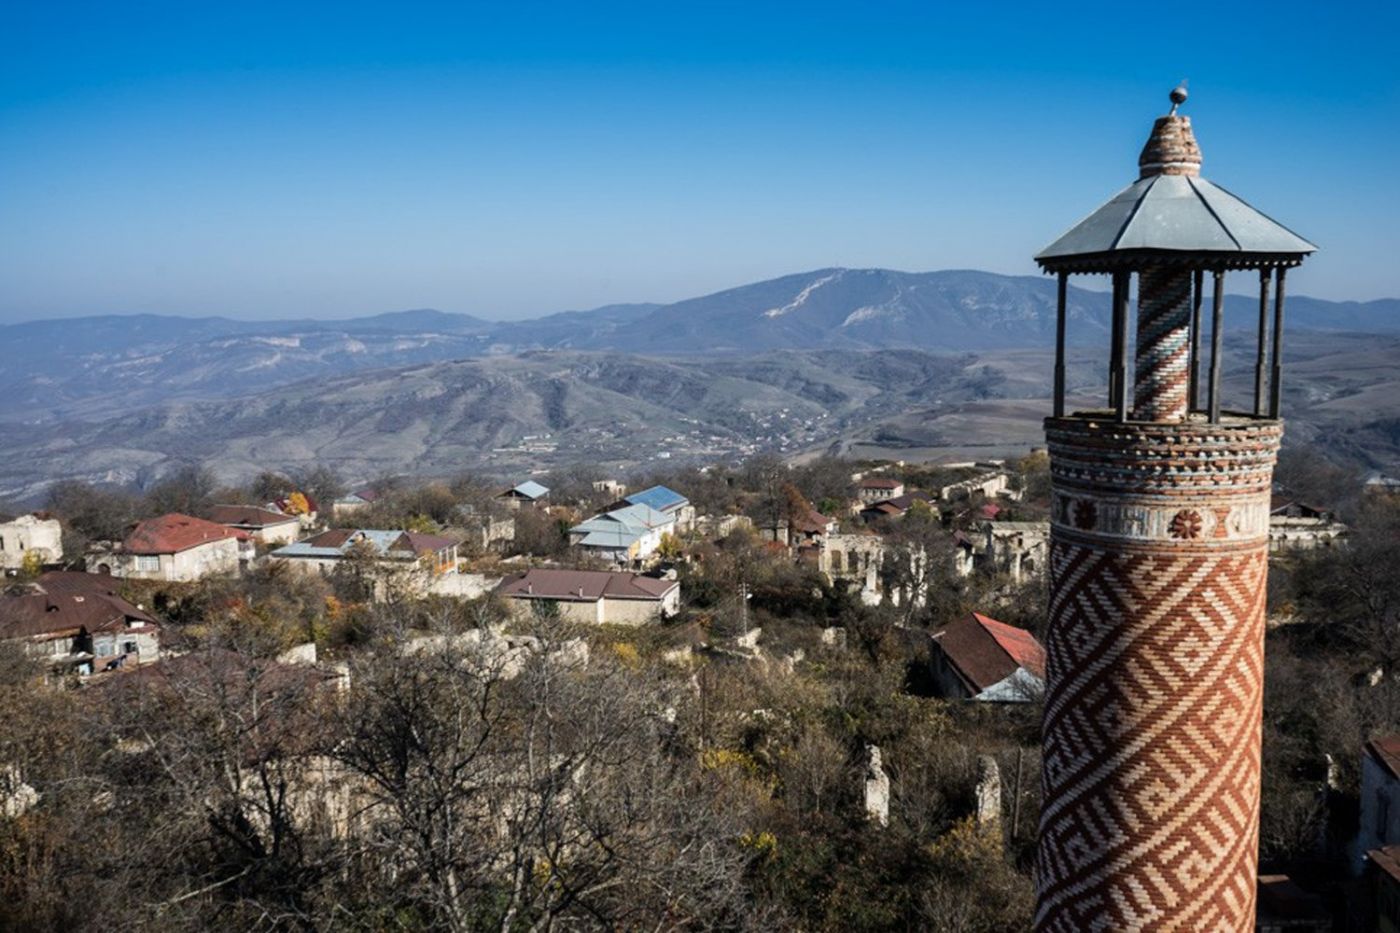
[1096, 455]
[1154, 680]
[1163, 344]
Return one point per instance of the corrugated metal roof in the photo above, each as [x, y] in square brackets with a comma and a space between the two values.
[531, 489]
[1177, 213]
[637, 519]
[619, 539]
[661, 498]
[584, 585]
[338, 542]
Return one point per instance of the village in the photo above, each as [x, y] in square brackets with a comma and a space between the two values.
[724, 580]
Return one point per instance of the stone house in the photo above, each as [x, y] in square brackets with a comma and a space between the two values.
[987, 484]
[528, 493]
[263, 526]
[78, 623]
[1379, 823]
[855, 559]
[979, 658]
[172, 547]
[354, 502]
[626, 536]
[1295, 526]
[897, 507]
[402, 560]
[665, 500]
[1021, 550]
[37, 533]
[593, 596]
[872, 489]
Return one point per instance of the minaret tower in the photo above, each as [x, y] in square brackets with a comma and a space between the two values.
[1158, 562]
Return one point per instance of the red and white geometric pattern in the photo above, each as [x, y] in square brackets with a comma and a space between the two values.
[1151, 737]
[1163, 352]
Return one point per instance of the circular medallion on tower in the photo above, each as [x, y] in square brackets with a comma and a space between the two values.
[1185, 525]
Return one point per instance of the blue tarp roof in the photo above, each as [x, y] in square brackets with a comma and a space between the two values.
[660, 498]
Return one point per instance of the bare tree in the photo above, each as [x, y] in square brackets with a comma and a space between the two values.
[531, 801]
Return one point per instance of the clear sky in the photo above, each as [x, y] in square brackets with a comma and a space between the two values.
[512, 159]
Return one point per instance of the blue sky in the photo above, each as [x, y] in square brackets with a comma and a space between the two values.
[513, 159]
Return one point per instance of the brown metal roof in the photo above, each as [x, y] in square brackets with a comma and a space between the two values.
[984, 651]
[53, 614]
[584, 585]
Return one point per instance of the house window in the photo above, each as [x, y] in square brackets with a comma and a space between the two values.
[147, 562]
[128, 647]
[104, 649]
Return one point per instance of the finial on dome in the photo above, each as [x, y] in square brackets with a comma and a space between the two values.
[1178, 96]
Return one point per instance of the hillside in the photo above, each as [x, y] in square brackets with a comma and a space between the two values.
[108, 366]
[508, 414]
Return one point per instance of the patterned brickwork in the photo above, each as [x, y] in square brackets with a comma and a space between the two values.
[1159, 551]
[1163, 344]
[1171, 149]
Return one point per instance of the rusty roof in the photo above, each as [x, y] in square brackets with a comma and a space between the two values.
[584, 585]
[49, 615]
[172, 533]
[985, 652]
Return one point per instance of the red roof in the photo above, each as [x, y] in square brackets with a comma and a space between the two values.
[1017, 642]
[170, 534]
[989, 510]
[1386, 751]
[812, 523]
[985, 652]
[584, 585]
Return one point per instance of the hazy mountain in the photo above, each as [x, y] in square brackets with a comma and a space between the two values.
[503, 413]
[102, 366]
[508, 414]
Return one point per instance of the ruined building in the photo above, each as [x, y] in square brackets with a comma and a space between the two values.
[1158, 560]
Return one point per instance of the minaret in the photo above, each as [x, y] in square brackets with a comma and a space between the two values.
[1158, 563]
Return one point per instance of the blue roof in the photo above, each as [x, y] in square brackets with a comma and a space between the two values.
[660, 498]
[531, 489]
[636, 519]
[619, 539]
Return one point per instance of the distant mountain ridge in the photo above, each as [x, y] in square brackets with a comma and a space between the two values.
[108, 365]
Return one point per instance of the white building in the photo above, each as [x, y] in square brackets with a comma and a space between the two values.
[20, 536]
[593, 596]
[173, 547]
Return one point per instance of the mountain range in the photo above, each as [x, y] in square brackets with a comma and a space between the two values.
[858, 360]
[107, 365]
